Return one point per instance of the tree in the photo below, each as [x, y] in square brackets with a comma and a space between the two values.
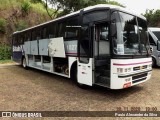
[63, 7]
[153, 17]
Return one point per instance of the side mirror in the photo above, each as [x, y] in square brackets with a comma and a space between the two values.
[158, 45]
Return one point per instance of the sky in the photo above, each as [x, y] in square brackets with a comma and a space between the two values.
[140, 6]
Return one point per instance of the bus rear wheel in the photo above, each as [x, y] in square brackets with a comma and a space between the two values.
[24, 63]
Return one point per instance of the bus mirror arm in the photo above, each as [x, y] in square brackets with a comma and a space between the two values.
[113, 30]
[158, 45]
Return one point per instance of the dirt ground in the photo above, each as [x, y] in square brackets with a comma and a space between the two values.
[35, 90]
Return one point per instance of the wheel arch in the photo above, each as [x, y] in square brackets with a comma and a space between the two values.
[153, 57]
[72, 68]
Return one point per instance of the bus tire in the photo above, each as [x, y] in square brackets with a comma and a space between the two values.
[153, 62]
[74, 76]
[24, 63]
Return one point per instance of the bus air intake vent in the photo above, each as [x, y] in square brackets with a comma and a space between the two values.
[139, 77]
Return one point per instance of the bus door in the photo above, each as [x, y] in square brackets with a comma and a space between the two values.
[84, 53]
[102, 54]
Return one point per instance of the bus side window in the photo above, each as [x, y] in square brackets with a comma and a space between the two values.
[34, 35]
[21, 39]
[15, 40]
[72, 29]
[38, 35]
[44, 33]
[62, 27]
[52, 30]
[29, 36]
[151, 40]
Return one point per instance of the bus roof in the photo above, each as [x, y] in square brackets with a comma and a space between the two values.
[85, 10]
[154, 29]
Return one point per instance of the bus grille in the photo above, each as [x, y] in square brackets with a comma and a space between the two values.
[139, 77]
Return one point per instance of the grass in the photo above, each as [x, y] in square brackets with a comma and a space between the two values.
[6, 61]
[10, 3]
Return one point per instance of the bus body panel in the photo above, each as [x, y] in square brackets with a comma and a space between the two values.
[129, 72]
[155, 52]
[85, 73]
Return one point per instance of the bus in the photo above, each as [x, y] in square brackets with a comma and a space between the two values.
[103, 45]
[154, 39]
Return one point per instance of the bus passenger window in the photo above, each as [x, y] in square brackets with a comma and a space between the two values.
[44, 33]
[52, 30]
[61, 32]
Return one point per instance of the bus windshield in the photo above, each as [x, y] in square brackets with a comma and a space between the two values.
[131, 35]
[157, 34]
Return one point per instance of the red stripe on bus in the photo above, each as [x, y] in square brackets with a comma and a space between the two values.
[117, 64]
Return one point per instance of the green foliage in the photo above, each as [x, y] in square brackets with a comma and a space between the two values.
[153, 17]
[67, 6]
[2, 25]
[21, 25]
[5, 52]
[6, 61]
[25, 7]
[39, 8]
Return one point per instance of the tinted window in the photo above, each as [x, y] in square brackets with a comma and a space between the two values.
[157, 34]
[34, 36]
[52, 30]
[15, 40]
[62, 28]
[96, 16]
[72, 29]
[151, 40]
[21, 39]
[44, 33]
[85, 50]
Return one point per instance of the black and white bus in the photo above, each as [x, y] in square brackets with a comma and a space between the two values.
[101, 45]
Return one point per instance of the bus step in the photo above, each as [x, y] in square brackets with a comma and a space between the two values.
[103, 80]
[105, 73]
[103, 85]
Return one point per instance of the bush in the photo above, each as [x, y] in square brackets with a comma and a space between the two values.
[2, 25]
[5, 52]
[25, 7]
[21, 25]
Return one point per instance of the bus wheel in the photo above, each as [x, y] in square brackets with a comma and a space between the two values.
[74, 77]
[24, 63]
[153, 62]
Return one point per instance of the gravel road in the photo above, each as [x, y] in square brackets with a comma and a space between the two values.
[35, 90]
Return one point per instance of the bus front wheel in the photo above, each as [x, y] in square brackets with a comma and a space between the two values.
[153, 62]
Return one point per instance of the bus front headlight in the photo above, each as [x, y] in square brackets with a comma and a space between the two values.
[119, 70]
[150, 66]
